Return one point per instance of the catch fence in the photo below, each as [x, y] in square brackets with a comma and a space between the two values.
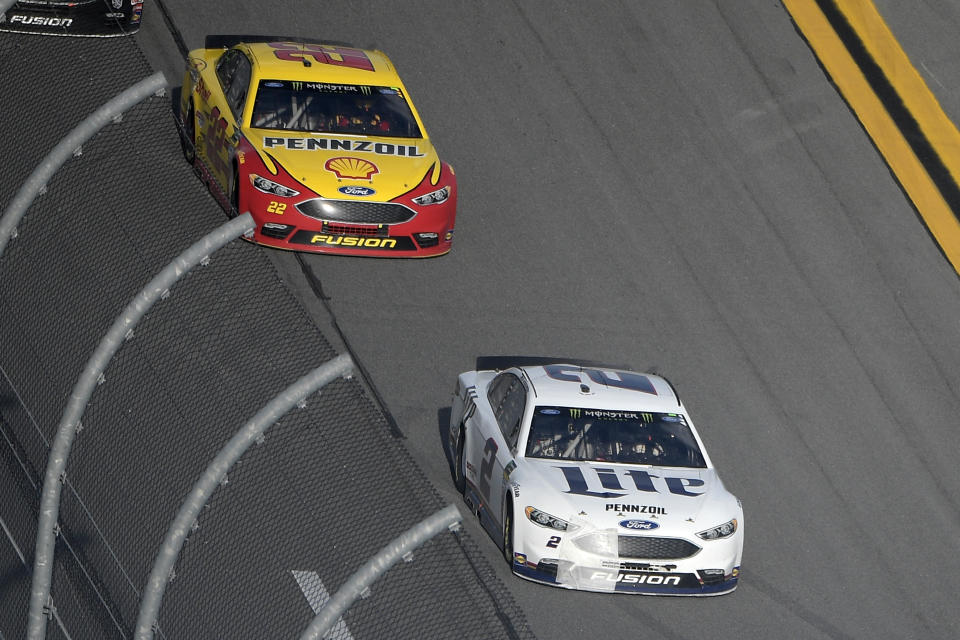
[329, 485]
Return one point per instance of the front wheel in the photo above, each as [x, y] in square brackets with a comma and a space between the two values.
[508, 534]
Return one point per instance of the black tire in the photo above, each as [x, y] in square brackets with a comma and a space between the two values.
[508, 533]
[189, 138]
[459, 475]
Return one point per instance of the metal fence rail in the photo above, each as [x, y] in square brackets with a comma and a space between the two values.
[121, 331]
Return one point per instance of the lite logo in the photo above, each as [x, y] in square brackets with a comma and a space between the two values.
[642, 481]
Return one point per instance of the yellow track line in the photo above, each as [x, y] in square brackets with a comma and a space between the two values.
[916, 96]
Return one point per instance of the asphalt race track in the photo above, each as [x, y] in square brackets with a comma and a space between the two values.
[676, 185]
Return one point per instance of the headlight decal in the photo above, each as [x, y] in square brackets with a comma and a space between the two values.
[273, 188]
[434, 197]
[725, 530]
[544, 519]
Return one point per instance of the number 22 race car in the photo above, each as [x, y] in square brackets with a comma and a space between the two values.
[593, 477]
[320, 143]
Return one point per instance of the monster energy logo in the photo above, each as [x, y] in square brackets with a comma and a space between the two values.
[610, 415]
[297, 85]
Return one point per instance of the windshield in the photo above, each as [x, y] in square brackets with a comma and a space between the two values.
[600, 435]
[333, 108]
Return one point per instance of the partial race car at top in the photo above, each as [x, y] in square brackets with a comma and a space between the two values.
[593, 477]
[320, 143]
[100, 18]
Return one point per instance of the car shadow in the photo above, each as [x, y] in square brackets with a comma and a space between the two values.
[443, 430]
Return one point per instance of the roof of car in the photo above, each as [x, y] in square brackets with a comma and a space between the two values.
[290, 60]
[574, 385]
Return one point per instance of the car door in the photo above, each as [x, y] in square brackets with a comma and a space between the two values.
[222, 108]
[496, 439]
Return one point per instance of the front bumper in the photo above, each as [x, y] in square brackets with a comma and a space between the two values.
[385, 229]
[624, 580]
[599, 559]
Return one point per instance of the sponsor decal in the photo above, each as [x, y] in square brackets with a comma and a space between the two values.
[636, 508]
[356, 168]
[353, 241]
[327, 239]
[342, 144]
[117, 4]
[638, 525]
[40, 21]
[611, 415]
[642, 479]
[115, 14]
[636, 578]
[507, 470]
[519, 558]
[354, 190]
[202, 88]
[550, 412]
[241, 156]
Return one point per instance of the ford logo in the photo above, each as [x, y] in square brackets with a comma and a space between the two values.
[638, 525]
[356, 191]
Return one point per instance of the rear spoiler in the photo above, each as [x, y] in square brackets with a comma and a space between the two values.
[227, 41]
[498, 363]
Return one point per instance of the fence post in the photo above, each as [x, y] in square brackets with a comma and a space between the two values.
[205, 486]
[121, 330]
[360, 581]
[67, 146]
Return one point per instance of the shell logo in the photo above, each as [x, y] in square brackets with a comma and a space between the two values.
[351, 168]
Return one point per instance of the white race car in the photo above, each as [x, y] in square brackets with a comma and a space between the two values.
[593, 477]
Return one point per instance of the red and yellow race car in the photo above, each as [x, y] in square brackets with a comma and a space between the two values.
[320, 143]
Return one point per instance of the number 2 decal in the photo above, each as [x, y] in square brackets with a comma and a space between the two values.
[553, 542]
[486, 467]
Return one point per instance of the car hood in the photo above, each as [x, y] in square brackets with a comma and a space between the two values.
[327, 163]
[609, 496]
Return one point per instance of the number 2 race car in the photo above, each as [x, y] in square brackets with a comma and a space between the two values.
[75, 18]
[320, 143]
[593, 477]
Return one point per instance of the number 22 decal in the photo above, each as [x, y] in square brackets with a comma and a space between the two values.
[486, 467]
